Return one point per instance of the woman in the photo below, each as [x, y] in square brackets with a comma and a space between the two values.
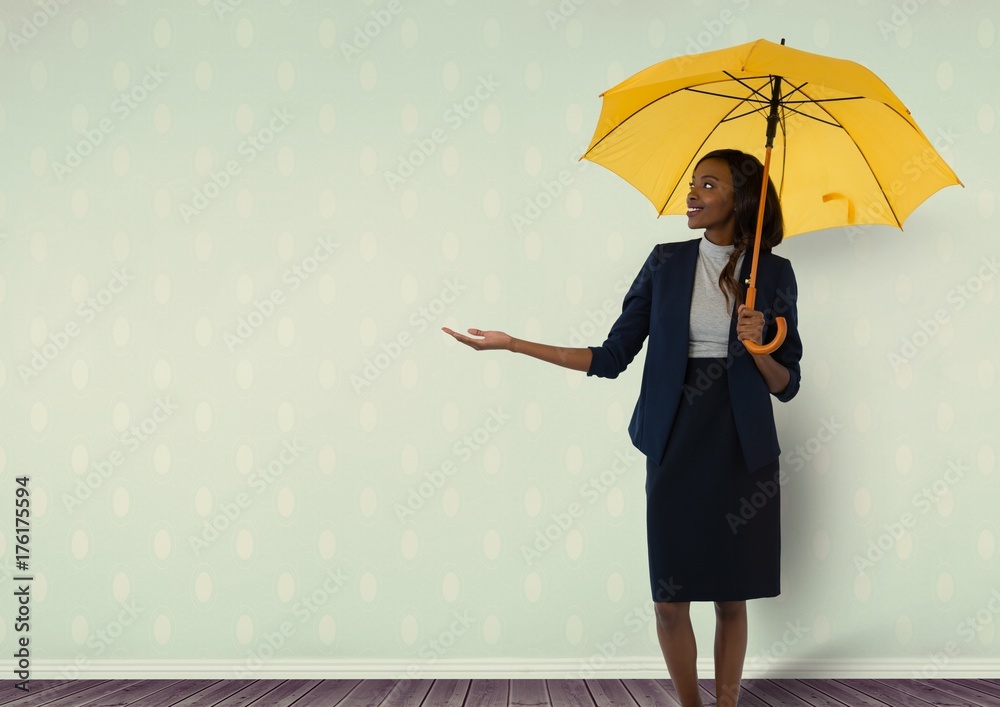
[704, 416]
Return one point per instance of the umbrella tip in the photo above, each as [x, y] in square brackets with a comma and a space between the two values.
[782, 41]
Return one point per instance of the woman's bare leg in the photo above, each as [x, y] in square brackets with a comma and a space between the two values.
[673, 629]
[730, 650]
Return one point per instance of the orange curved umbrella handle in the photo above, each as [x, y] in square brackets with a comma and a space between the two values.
[752, 282]
[774, 343]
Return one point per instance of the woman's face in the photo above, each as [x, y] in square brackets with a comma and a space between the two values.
[710, 200]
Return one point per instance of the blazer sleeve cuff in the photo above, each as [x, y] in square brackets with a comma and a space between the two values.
[600, 365]
[791, 389]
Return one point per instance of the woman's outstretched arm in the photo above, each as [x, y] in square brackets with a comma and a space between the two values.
[618, 350]
[576, 358]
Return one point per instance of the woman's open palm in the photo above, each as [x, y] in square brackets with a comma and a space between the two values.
[490, 340]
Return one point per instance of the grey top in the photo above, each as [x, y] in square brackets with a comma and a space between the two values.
[709, 331]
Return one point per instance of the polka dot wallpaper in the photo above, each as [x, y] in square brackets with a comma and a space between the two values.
[230, 234]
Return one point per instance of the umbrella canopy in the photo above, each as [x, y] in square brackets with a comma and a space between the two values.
[846, 149]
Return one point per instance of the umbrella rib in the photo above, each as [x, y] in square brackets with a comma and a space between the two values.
[628, 118]
[784, 158]
[823, 100]
[750, 88]
[785, 100]
[660, 98]
[811, 117]
[794, 90]
[693, 155]
[867, 163]
[810, 99]
[743, 115]
[755, 96]
[762, 101]
[729, 116]
[786, 103]
[746, 99]
[667, 95]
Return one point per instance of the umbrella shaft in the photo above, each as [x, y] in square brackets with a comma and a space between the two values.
[752, 289]
[772, 118]
[772, 130]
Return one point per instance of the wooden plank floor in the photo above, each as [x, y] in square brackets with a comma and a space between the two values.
[491, 693]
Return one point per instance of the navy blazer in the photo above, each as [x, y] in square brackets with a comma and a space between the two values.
[658, 304]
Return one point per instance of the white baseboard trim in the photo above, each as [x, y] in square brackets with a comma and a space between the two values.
[495, 668]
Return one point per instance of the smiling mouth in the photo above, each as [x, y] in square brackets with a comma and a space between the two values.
[692, 210]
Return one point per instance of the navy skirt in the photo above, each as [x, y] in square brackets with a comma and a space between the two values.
[713, 529]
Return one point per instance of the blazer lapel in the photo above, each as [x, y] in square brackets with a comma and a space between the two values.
[676, 296]
[685, 284]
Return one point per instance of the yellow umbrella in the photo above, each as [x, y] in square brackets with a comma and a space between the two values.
[847, 151]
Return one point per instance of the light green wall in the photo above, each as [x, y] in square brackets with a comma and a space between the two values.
[515, 441]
